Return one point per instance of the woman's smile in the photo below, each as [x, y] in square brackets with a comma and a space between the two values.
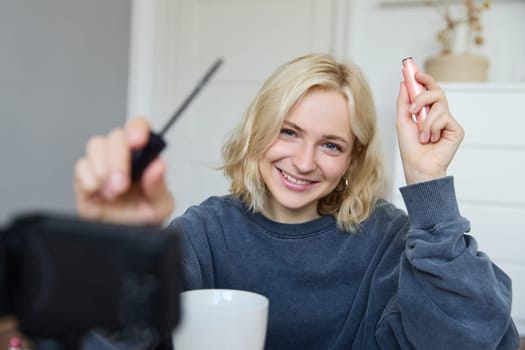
[298, 183]
[310, 156]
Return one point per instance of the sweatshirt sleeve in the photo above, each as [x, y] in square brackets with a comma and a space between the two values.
[195, 250]
[450, 295]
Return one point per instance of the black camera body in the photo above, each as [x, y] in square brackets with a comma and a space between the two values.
[62, 277]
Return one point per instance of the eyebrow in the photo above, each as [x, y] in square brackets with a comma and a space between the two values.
[328, 137]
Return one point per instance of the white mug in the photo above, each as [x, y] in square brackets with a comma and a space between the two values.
[221, 319]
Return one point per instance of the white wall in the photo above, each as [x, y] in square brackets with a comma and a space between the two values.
[63, 73]
[382, 35]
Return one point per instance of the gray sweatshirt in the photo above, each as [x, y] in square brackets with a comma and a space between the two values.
[413, 281]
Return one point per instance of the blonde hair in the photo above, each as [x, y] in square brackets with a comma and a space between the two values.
[263, 120]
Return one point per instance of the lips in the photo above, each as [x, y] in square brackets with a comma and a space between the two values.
[294, 180]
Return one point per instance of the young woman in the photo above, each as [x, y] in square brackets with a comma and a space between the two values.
[305, 224]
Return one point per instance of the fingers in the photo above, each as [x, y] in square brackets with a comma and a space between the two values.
[153, 178]
[433, 125]
[404, 123]
[427, 98]
[427, 81]
[96, 157]
[440, 123]
[86, 185]
[102, 181]
[85, 178]
[118, 161]
[155, 188]
[403, 101]
[426, 149]
[91, 170]
[438, 115]
[432, 94]
[438, 118]
[105, 168]
[137, 132]
[106, 165]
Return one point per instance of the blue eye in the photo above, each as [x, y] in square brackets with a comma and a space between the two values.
[333, 147]
[288, 132]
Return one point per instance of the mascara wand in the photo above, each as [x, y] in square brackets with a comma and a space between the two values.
[143, 157]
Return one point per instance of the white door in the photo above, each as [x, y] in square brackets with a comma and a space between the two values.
[176, 41]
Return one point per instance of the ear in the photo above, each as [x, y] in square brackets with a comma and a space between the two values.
[345, 181]
[342, 185]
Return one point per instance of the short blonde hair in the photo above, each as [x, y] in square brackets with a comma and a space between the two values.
[263, 120]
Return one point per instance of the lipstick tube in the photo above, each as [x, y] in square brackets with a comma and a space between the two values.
[414, 88]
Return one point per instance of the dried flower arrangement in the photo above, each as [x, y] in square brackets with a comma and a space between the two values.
[471, 19]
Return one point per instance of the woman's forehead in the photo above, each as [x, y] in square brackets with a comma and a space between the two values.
[321, 110]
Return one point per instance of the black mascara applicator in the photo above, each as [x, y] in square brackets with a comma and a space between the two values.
[143, 157]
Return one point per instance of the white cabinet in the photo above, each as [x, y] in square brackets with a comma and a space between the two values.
[489, 172]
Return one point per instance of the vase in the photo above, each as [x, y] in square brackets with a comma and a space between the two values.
[464, 67]
[461, 36]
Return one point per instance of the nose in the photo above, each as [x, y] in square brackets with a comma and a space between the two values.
[304, 158]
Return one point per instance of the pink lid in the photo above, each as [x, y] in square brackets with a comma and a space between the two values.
[15, 342]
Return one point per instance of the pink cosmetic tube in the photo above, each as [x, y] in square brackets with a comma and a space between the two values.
[414, 88]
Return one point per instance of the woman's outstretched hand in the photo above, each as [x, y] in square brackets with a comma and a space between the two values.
[102, 182]
[426, 154]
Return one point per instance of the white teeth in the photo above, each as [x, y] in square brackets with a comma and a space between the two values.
[294, 180]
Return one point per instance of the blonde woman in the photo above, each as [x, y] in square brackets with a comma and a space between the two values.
[305, 224]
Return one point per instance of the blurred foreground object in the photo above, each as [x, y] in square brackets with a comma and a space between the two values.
[62, 277]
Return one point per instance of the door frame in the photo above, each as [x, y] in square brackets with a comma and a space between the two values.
[149, 77]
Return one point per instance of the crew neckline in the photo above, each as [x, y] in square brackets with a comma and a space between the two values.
[300, 230]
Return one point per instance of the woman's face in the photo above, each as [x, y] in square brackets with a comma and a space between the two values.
[309, 158]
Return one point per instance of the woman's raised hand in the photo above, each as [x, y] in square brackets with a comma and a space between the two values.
[103, 187]
[426, 155]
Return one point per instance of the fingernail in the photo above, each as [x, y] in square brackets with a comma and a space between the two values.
[107, 192]
[134, 136]
[117, 182]
[114, 185]
[423, 137]
[412, 108]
